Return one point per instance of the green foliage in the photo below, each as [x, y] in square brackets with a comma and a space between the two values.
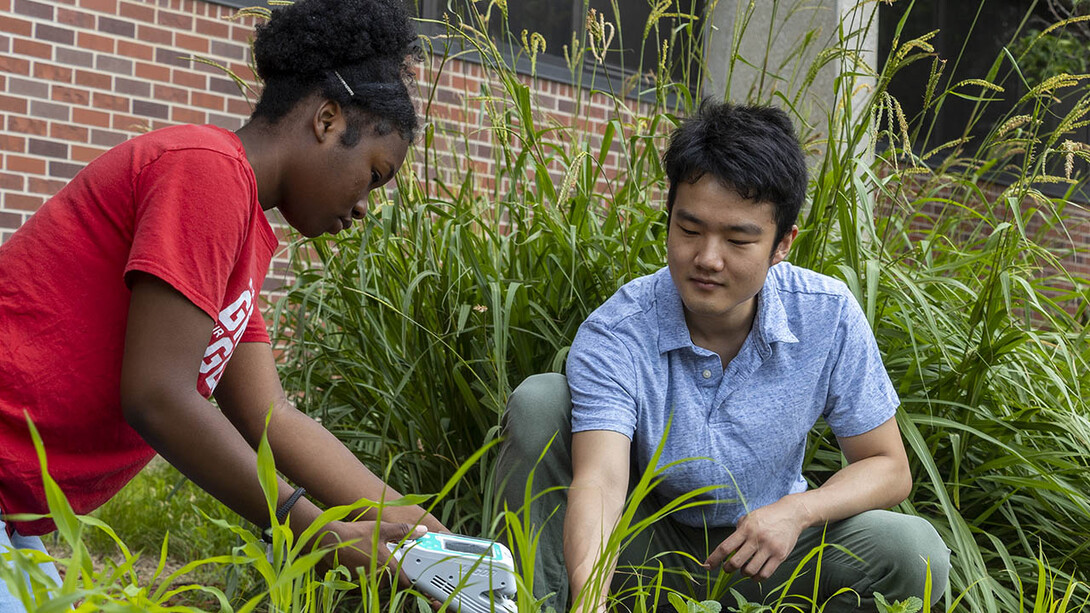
[289, 576]
[160, 510]
[407, 336]
[1041, 56]
[112, 588]
[162, 501]
[1058, 48]
[910, 605]
[683, 605]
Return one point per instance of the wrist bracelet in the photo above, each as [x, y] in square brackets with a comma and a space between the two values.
[282, 512]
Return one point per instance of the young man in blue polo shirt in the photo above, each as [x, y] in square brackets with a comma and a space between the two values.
[736, 354]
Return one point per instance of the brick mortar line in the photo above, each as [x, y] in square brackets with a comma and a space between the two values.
[106, 73]
[74, 47]
[156, 9]
[136, 39]
[35, 156]
[114, 92]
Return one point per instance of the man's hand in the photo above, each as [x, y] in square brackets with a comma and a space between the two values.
[762, 540]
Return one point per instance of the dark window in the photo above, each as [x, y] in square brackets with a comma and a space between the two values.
[972, 35]
[557, 20]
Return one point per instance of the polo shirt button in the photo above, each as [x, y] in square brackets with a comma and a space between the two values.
[707, 374]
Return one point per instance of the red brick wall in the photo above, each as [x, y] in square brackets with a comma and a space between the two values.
[79, 76]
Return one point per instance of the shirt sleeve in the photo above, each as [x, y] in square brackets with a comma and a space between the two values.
[861, 395]
[601, 377]
[192, 209]
[256, 329]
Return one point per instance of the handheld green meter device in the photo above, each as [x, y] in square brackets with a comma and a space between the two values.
[478, 573]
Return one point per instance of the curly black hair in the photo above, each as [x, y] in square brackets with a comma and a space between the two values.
[751, 149]
[358, 53]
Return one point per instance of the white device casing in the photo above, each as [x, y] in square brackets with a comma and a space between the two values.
[476, 574]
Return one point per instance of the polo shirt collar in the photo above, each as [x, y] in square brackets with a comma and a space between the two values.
[673, 331]
[772, 326]
[771, 320]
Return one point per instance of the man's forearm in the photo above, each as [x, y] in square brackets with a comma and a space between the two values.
[877, 482]
[765, 537]
[591, 517]
[877, 476]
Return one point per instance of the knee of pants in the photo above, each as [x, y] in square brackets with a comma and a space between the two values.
[538, 409]
[907, 548]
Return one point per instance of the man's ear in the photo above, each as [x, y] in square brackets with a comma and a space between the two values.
[328, 120]
[784, 246]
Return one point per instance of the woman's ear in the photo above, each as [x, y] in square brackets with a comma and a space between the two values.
[328, 120]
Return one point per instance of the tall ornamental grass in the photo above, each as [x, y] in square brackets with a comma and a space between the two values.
[408, 335]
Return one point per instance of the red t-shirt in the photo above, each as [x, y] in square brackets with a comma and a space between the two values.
[178, 203]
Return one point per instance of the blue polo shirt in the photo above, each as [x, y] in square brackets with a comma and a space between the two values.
[810, 354]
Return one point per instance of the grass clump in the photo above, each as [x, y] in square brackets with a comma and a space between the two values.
[409, 335]
[161, 501]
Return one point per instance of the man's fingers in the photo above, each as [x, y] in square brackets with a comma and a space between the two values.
[715, 560]
[727, 547]
[740, 557]
[769, 567]
[755, 565]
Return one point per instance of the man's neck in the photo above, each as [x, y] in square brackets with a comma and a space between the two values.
[724, 334]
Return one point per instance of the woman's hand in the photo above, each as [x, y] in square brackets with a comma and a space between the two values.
[363, 550]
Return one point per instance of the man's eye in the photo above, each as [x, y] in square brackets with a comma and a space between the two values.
[689, 232]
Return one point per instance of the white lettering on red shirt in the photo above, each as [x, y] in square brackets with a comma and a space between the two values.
[226, 335]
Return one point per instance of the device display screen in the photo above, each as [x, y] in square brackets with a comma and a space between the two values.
[470, 548]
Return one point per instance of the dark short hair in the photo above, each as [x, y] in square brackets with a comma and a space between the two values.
[358, 53]
[751, 149]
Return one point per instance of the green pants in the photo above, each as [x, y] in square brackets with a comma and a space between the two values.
[893, 550]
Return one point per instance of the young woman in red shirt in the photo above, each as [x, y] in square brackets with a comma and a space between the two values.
[129, 299]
